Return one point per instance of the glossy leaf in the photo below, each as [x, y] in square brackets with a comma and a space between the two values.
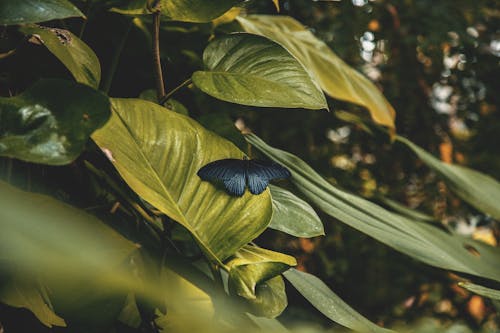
[50, 123]
[78, 58]
[159, 152]
[334, 76]
[180, 10]
[328, 303]
[252, 70]
[254, 275]
[33, 11]
[419, 240]
[293, 215]
[481, 290]
[20, 293]
[478, 189]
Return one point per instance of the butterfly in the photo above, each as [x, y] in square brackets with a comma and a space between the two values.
[236, 174]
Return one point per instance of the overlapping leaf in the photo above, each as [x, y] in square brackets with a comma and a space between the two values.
[418, 240]
[293, 215]
[80, 60]
[481, 290]
[254, 275]
[334, 76]
[158, 153]
[326, 301]
[51, 122]
[253, 70]
[34, 11]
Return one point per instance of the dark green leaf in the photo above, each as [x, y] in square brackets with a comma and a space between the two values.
[34, 11]
[50, 122]
[328, 303]
[293, 215]
[80, 60]
[481, 290]
[253, 70]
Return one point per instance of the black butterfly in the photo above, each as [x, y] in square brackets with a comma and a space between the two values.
[235, 174]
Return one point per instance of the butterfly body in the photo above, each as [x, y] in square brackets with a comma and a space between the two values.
[236, 174]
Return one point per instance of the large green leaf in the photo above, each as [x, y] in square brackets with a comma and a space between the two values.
[478, 189]
[34, 11]
[253, 70]
[481, 290]
[180, 10]
[80, 60]
[328, 303]
[416, 239]
[334, 76]
[254, 275]
[158, 153]
[21, 293]
[50, 122]
[293, 215]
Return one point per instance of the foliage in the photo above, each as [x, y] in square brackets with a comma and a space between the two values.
[105, 225]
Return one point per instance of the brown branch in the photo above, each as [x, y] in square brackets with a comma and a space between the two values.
[160, 87]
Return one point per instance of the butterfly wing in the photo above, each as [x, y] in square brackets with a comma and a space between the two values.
[260, 172]
[231, 172]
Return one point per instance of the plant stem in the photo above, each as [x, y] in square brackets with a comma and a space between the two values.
[116, 59]
[160, 87]
[165, 98]
[88, 7]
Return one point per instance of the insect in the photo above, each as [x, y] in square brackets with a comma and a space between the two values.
[237, 174]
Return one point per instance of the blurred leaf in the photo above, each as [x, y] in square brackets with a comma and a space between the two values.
[334, 76]
[277, 4]
[78, 58]
[171, 104]
[328, 303]
[416, 239]
[50, 122]
[227, 17]
[481, 290]
[180, 10]
[478, 189]
[33, 11]
[293, 215]
[254, 275]
[19, 293]
[252, 70]
[130, 315]
[160, 164]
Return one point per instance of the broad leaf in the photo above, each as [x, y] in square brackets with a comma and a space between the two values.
[34, 11]
[328, 303]
[254, 275]
[405, 211]
[334, 76]
[481, 290]
[252, 70]
[293, 215]
[478, 189]
[180, 10]
[50, 122]
[416, 239]
[78, 58]
[20, 293]
[159, 152]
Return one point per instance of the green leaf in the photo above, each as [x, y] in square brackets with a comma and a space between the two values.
[180, 10]
[293, 215]
[478, 189]
[159, 152]
[405, 211]
[171, 104]
[253, 70]
[481, 290]
[78, 58]
[50, 122]
[33, 11]
[254, 275]
[419, 240]
[334, 76]
[19, 293]
[328, 303]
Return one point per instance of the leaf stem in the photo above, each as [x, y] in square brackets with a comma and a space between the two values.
[165, 98]
[116, 59]
[160, 86]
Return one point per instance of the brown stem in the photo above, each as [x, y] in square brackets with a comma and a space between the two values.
[160, 87]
